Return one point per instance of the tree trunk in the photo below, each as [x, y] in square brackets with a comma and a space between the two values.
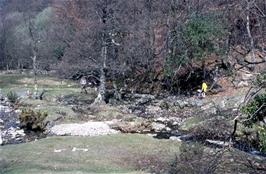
[116, 93]
[250, 38]
[34, 67]
[203, 66]
[100, 99]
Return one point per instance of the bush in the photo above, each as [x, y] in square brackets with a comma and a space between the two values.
[255, 109]
[198, 38]
[32, 120]
[262, 138]
[12, 96]
[201, 33]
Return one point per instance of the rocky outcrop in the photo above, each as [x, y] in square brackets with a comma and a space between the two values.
[10, 131]
[154, 125]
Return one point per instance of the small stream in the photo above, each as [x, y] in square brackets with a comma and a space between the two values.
[10, 130]
[11, 133]
[188, 137]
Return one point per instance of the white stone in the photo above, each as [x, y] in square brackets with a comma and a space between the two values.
[59, 150]
[175, 123]
[79, 149]
[243, 84]
[175, 138]
[157, 126]
[151, 135]
[222, 104]
[161, 119]
[208, 106]
[246, 76]
[168, 129]
[83, 129]
[220, 143]
[20, 132]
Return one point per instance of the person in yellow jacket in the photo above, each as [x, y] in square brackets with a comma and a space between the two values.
[204, 87]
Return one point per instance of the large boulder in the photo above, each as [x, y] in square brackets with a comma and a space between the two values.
[137, 126]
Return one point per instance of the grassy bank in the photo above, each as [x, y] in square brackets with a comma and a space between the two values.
[124, 153]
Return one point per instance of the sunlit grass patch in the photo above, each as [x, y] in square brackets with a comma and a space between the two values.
[120, 153]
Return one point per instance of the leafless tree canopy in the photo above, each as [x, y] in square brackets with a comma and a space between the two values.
[121, 38]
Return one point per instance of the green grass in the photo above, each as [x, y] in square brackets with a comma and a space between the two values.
[122, 153]
[16, 81]
[55, 87]
[21, 83]
[190, 123]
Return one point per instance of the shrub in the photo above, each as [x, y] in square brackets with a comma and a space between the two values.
[12, 96]
[255, 109]
[262, 138]
[197, 38]
[32, 120]
[201, 35]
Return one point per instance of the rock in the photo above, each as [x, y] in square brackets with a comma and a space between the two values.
[170, 122]
[186, 137]
[9, 127]
[153, 110]
[168, 129]
[4, 108]
[74, 149]
[85, 129]
[221, 104]
[13, 135]
[151, 135]
[175, 123]
[181, 103]
[157, 127]
[247, 76]
[161, 119]
[164, 105]
[210, 111]
[174, 138]
[59, 150]
[140, 99]
[234, 101]
[132, 127]
[242, 84]
[218, 143]
[191, 102]
[208, 106]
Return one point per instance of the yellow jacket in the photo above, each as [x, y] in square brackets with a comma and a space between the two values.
[204, 87]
